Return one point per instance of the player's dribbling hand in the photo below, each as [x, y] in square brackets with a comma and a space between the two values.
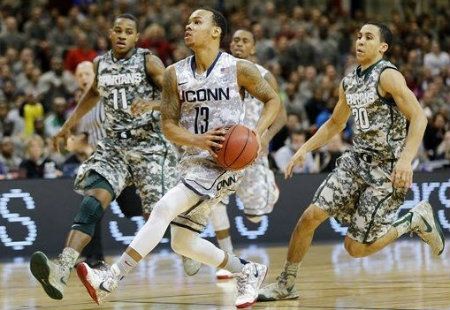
[60, 139]
[297, 159]
[402, 174]
[211, 140]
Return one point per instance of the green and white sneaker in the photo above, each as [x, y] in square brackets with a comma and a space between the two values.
[278, 290]
[52, 276]
[426, 226]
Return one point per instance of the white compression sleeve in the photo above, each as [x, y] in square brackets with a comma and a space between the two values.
[188, 243]
[176, 201]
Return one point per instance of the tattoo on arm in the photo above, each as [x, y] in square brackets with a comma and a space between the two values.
[250, 78]
[170, 106]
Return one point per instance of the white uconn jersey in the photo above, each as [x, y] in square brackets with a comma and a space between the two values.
[253, 107]
[210, 100]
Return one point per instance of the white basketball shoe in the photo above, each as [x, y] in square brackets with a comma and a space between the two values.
[425, 225]
[248, 282]
[98, 283]
[190, 266]
[53, 276]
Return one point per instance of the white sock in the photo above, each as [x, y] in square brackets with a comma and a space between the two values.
[234, 264]
[176, 201]
[289, 274]
[68, 257]
[124, 265]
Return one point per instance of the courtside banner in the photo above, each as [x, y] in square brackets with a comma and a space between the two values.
[37, 214]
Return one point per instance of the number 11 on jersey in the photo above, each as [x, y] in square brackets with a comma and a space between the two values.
[123, 96]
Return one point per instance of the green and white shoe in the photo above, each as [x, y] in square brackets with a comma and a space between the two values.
[426, 226]
[52, 276]
[276, 291]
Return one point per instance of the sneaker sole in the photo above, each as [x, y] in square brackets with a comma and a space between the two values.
[41, 271]
[262, 298]
[224, 277]
[82, 275]
[248, 304]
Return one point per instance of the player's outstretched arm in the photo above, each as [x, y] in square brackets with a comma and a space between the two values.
[155, 69]
[393, 83]
[88, 100]
[335, 124]
[280, 119]
[170, 116]
[250, 78]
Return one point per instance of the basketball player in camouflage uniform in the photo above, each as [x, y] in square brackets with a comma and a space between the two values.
[257, 191]
[370, 181]
[133, 151]
[201, 95]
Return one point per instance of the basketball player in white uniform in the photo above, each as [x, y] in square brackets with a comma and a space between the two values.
[257, 191]
[200, 94]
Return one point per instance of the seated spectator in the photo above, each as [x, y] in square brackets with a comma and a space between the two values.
[8, 157]
[37, 165]
[80, 53]
[31, 111]
[80, 148]
[284, 154]
[436, 60]
[56, 118]
[331, 152]
[443, 150]
[434, 134]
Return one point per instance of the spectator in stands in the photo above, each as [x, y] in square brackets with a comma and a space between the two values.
[60, 36]
[80, 149]
[36, 164]
[11, 37]
[154, 38]
[56, 83]
[434, 134]
[436, 59]
[443, 150]
[26, 57]
[283, 155]
[8, 157]
[56, 118]
[31, 111]
[331, 152]
[80, 53]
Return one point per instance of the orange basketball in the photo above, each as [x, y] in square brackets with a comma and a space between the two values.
[239, 149]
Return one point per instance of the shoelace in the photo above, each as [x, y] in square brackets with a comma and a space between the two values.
[242, 279]
[282, 280]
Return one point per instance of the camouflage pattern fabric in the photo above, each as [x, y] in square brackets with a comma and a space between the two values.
[258, 190]
[210, 100]
[380, 128]
[146, 160]
[120, 82]
[359, 194]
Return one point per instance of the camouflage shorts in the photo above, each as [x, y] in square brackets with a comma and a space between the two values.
[360, 194]
[211, 183]
[150, 165]
[257, 191]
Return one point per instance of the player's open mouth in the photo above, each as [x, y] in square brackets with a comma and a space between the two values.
[121, 44]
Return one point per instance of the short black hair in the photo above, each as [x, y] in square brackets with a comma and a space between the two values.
[246, 30]
[385, 33]
[220, 21]
[130, 17]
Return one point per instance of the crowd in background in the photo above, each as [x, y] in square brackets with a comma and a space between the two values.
[308, 49]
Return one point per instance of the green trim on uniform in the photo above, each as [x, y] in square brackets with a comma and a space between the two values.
[373, 217]
[364, 73]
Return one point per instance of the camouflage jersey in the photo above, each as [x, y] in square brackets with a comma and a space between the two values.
[120, 82]
[209, 100]
[380, 128]
[253, 107]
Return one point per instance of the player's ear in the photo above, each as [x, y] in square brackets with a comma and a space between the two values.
[216, 32]
[384, 47]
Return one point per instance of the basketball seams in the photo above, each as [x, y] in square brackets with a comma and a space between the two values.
[243, 148]
[225, 147]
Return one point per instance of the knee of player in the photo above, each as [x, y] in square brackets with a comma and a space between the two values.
[254, 219]
[354, 248]
[312, 217]
[88, 216]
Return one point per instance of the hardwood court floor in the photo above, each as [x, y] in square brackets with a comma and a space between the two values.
[403, 276]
